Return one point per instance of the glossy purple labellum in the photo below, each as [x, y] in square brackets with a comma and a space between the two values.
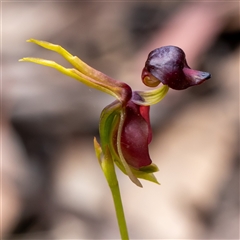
[168, 65]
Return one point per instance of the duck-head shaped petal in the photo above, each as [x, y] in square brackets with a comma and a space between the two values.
[168, 65]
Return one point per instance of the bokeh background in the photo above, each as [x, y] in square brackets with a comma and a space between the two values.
[52, 185]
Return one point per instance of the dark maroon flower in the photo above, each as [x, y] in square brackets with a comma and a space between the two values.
[168, 65]
[124, 128]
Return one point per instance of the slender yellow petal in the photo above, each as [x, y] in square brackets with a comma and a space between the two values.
[121, 90]
[152, 96]
[98, 151]
[72, 72]
[74, 60]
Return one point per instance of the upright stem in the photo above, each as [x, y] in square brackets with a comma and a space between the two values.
[110, 174]
[119, 210]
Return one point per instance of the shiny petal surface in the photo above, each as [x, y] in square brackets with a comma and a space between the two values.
[168, 65]
[136, 136]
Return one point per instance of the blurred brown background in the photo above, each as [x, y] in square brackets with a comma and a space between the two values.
[52, 185]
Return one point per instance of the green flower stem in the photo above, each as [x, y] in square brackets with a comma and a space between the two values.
[114, 186]
[107, 165]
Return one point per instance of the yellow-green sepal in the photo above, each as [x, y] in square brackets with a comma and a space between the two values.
[149, 176]
[82, 72]
[150, 168]
[150, 97]
[111, 123]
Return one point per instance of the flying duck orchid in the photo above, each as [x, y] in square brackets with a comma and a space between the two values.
[125, 130]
